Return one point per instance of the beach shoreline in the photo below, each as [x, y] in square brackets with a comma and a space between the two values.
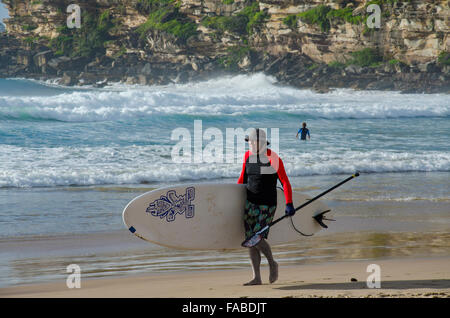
[40, 260]
[399, 277]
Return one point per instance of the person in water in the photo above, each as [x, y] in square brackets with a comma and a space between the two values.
[260, 171]
[303, 132]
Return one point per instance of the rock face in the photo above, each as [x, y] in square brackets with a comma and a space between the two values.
[410, 31]
[316, 44]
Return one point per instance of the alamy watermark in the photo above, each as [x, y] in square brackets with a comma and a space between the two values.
[220, 147]
[374, 279]
[74, 278]
[74, 19]
[374, 19]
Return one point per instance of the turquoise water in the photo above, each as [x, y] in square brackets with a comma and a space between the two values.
[71, 158]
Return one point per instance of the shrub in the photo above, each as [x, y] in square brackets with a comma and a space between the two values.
[444, 58]
[336, 64]
[345, 14]
[234, 24]
[322, 15]
[29, 27]
[167, 18]
[363, 58]
[366, 57]
[63, 43]
[317, 15]
[234, 55]
[90, 38]
[242, 23]
[291, 21]
[87, 41]
[254, 16]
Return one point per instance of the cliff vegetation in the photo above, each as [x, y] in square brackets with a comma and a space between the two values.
[304, 43]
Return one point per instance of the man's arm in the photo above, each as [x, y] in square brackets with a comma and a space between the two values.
[285, 182]
[278, 165]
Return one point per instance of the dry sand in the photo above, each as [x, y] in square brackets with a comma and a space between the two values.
[408, 277]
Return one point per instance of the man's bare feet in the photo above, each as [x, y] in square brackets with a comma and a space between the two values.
[273, 276]
[254, 281]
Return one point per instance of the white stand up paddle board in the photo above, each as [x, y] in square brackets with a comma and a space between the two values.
[210, 216]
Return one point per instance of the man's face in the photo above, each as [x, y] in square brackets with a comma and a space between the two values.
[254, 147]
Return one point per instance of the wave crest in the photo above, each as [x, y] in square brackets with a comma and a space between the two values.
[235, 95]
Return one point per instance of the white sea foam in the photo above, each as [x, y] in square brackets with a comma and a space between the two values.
[225, 96]
[38, 156]
[63, 166]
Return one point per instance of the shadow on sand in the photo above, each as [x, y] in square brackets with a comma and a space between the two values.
[400, 284]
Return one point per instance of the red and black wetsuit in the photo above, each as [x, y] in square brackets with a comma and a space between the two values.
[260, 173]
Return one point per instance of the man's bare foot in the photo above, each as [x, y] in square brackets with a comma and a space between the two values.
[273, 276]
[254, 281]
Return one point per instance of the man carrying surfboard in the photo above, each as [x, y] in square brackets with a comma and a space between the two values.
[261, 169]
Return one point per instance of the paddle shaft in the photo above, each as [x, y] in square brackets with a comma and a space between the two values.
[315, 198]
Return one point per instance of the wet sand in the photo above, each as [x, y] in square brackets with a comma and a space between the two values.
[411, 248]
[403, 277]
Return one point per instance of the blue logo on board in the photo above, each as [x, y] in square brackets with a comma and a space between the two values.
[171, 204]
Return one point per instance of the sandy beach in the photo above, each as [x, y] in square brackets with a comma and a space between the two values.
[403, 277]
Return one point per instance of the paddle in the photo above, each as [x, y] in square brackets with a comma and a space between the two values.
[252, 241]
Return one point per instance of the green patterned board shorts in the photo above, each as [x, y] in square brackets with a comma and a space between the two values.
[256, 217]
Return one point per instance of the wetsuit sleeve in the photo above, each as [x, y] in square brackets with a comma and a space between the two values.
[285, 182]
[307, 132]
[278, 165]
[243, 177]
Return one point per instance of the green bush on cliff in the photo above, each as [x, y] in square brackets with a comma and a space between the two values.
[345, 14]
[29, 27]
[444, 58]
[291, 21]
[62, 44]
[254, 15]
[336, 64]
[317, 15]
[92, 35]
[167, 18]
[366, 57]
[234, 24]
[234, 55]
[86, 41]
[322, 15]
[242, 23]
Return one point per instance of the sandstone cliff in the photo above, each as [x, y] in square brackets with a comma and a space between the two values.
[305, 43]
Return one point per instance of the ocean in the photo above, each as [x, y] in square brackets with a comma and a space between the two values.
[71, 158]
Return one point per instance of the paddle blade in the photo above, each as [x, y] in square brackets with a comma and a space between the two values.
[252, 241]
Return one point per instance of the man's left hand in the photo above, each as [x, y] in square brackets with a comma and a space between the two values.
[290, 210]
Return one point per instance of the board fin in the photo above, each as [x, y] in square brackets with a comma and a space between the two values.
[320, 217]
